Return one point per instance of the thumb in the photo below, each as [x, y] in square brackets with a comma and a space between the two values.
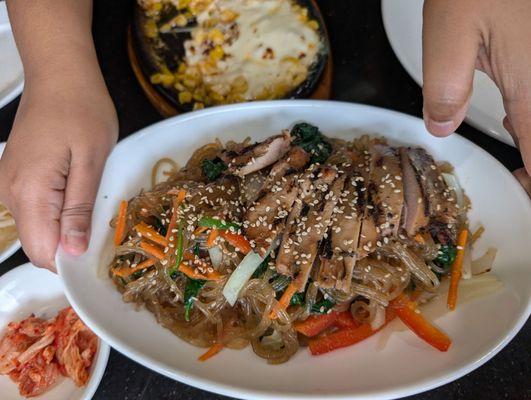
[80, 193]
[450, 47]
[518, 123]
[524, 178]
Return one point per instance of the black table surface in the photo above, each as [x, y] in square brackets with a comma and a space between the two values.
[365, 71]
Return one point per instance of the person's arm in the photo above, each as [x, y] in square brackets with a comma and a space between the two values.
[492, 36]
[64, 129]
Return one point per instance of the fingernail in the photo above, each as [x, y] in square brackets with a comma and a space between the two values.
[440, 128]
[75, 242]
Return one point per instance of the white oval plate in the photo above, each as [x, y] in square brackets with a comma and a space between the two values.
[360, 371]
[28, 289]
[403, 24]
[13, 247]
[11, 71]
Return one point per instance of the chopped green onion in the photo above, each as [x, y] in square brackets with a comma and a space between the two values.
[191, 290]
[209, 222]
[180, 250]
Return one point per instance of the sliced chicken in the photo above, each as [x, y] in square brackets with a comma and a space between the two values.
[311, 185]
[441, 201]
[257, 156]
[414, 215]
[368, 231]
[336, 270]
[266, 218]
[386, 188]
[319, 219]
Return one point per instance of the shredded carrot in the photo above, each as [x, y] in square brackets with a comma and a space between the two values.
[408, 312]
[191, 273]
[124, 271]
[419, 239]
[151, 234]
[153, 250]
[457, 266]
[212, 351]
[181, 194]
[199, 230]
[212, 236]
[238, 241]
[120, 223]
[315, 324]
[284, 301]
[477, 234]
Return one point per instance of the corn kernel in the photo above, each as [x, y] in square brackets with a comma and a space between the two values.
[192, 73]
[157, 6]
[185, 97]
[151, 29]
[156, 79]
[313, 24]
[180, 87]
[198, 106]
[216, 53]
[228, 15]
[183, 4]
[180, 20]
[167, 79]
[182, 68]
[240, 84]
[216, 36]
[190, 83]
[216, 96]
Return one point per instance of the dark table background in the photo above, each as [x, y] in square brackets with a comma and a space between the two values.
[366, 71]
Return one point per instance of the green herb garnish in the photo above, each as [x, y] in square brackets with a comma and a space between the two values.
[196, 249]
[313, 141]
[297, 299]
[137, 274]
[191, 291]
[262, 268]
[212, 169]
[322, 307]
[446, 257]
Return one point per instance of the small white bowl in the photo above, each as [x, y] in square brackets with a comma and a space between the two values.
[28, 289]
[13, 247]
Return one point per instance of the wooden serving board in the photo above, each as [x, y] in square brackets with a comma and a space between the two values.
[322, 91]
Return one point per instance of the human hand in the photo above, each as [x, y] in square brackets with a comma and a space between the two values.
[52, 164]
[492, 36]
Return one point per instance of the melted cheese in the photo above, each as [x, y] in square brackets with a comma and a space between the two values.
[269, 43]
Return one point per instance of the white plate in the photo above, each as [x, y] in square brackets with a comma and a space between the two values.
[403, 24]
[12, 248]
[356, 372]
[28, 289]
[11, 71]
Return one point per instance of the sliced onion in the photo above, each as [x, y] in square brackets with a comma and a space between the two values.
[485, 262]
[273, 340]
[216, 256]
[240, 276]
[379, 318]
[467, 262]
[453, 183]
